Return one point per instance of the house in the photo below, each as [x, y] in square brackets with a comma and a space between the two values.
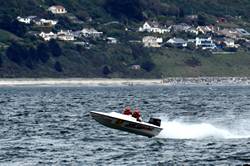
[86, 45]
[26, 20]
[65, 35]
[48, 36]
[151, 41]
[58, 9]
[230, 43]
[221, 20]
[242, 32]
[74, 19]
[205, 43]
[205, 29]
[77, 34]
[44, 22]
[136, 67]
[180, 27]
[230, 33]
[192, 17]
[192, 30]
[246, 45]
[177, 42]
[111, 40]
[153, 27]
[90, 32]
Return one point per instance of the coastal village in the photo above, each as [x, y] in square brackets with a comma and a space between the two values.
[182, 35]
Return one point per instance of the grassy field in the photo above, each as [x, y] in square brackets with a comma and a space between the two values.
[171, 62]
[6, 36]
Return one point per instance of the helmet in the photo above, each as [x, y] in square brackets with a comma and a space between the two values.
[127, 111]
[127, 108]
[137, 113]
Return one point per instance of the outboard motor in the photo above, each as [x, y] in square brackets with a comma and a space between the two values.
[155, 121]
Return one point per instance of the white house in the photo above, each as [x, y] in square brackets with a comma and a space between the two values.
[230, 33]
[178, 42]
[65, 35]
[48, 36]
[151, 41]
[205, 43]
[180, 27]
[153, 28]
[205, 29]
[136, 67]
[90, 32]
[58, 9]
[230, 43]
[111, 40]
[192, 30]
[44, 22]
[26, 20]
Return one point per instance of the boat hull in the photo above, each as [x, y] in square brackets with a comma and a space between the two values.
[132, 126]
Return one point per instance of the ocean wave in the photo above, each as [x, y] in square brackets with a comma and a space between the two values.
[180, 130]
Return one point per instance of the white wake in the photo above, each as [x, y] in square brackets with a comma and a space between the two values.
[180, 130]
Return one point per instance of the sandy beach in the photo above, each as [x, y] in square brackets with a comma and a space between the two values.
[126, 82]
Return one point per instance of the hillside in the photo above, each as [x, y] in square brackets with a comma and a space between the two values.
[100, 38]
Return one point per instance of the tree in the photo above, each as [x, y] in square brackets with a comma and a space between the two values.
[148, 65]
[106, 70]
[1, 60]
[12, 25]
[58, 67]
[33, 55]
[55, 48]
[138, 52]
[181, 13]
[42, 52]
[201, 20]
[131, 9]
[17, 53]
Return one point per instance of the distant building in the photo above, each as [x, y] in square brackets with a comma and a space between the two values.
[26, 20]
[205, 29]
[151, 41]
[62, 35]
[192, 30]
[48, 36]
[221, 20]
[192, 17]
[44, 22]
[205, 43]
[230, 33]
[111, 40]
[91, 32]
[65, 35]
[58, 9]
[242, 32]
[136, 67]
[230, 43]
[177, 42]
[83, 44]
[180, 27]
[153, 27]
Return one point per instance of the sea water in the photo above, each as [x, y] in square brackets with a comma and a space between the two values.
[51, 125]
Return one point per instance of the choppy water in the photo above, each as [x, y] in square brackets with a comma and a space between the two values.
[52, 126]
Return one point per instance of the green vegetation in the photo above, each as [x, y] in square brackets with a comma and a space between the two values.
[23, 55]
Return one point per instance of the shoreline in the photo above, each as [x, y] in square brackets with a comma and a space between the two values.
[171, 81]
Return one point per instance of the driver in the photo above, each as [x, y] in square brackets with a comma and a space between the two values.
[127, 111]
[137, 115]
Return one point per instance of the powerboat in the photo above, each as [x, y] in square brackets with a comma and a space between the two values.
[128, 123]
